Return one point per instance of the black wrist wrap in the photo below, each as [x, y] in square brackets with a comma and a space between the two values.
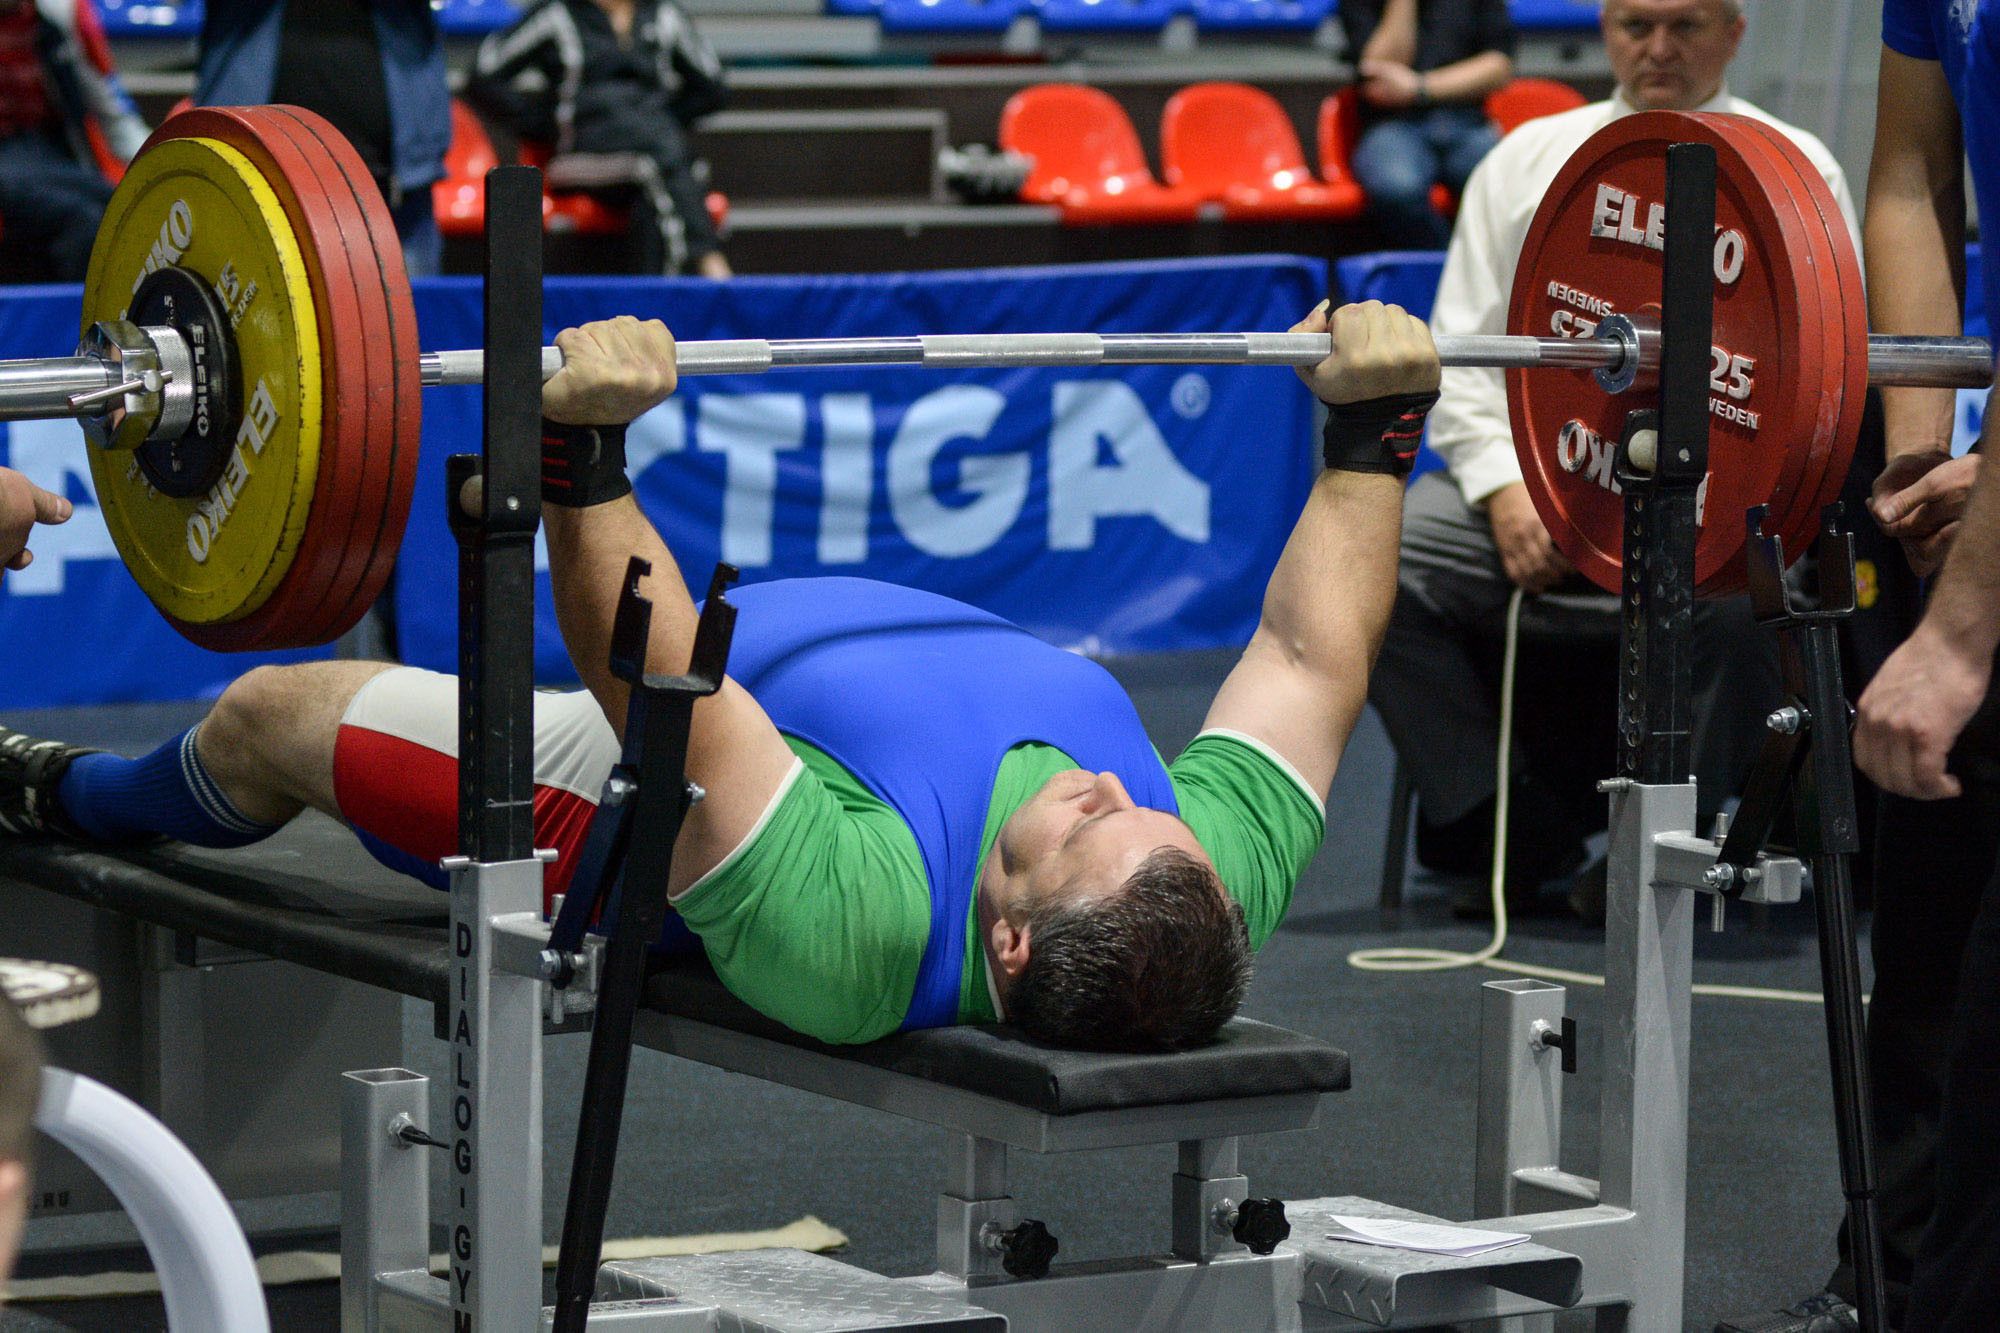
[583, 465]
[1376, 434]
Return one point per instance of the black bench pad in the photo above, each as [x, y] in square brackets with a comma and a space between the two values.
[1250, 1059]
[312, 896]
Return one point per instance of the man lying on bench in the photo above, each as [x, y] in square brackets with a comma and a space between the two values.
[917, 814]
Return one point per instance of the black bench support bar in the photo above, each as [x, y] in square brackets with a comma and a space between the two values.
[652, 770]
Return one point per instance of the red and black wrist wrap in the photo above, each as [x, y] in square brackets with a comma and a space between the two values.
[583, 465]
[1376, 434]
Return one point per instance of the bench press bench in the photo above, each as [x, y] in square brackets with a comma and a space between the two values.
[312, 897]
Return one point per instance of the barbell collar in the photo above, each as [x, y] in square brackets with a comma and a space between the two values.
[39, 388]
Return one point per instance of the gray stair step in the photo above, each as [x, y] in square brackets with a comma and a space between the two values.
[791, 153]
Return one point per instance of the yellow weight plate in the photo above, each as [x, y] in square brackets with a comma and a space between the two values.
[201, 205]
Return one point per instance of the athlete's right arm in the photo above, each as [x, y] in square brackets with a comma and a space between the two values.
[613, 372]
[1303, 678]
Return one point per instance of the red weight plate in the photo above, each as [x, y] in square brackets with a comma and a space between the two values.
[1590, 250]
[1791, 503]
[397, 387]
[322, 195]
[1797, 516]
[295, 612]
[352, 374]
[1848, 363]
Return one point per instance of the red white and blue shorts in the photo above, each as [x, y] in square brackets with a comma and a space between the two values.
[395, 771]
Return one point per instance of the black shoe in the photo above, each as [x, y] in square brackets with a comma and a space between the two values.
[1824, 1313]
[1544, 841]
[30, 770]
[1472, 896]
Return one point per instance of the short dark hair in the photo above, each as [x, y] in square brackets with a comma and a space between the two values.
[20, 1084]
[1159, 965]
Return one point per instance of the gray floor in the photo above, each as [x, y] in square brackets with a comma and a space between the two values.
[705, 1151]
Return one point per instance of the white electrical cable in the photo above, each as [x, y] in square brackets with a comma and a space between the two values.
[1404, 959]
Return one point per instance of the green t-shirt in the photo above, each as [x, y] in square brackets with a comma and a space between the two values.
[819, 919]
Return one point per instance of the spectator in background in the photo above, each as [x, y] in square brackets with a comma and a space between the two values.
[1928, 725]
[614, 85]
[1425, 67]
[374, 68]
[62, 114]
[1472, 536]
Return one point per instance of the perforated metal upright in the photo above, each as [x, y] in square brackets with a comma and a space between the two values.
[494, 1074]
[1630, 1230]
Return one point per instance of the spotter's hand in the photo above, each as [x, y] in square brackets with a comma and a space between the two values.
[1913, 711]
[1378, 350]
[613, 371]
[22, 505]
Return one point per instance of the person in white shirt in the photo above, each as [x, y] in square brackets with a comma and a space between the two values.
[1471, 535]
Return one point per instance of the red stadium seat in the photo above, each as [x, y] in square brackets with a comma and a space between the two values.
[460, 198]
[1519, 100]
[1088, 161]
[1234, 143]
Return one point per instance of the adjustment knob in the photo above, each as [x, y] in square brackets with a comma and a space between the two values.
[1260, 1224]
[1026, 1250]
[1543, 1036]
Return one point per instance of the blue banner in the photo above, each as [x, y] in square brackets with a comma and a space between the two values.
[74, 627]
[1111, 510]
[1115, 510]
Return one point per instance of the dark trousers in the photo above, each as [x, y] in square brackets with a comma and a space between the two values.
[1934, 861]
[1929, 861]
[649, 167]
[1400, 157]
[50, 203]
[1436, 682]
[1950, 867]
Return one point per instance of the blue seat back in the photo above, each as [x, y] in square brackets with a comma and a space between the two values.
[1261, 15]
[475, 18]
[1109, 15]
[917, 16]
[132, 18]
[1556, 15]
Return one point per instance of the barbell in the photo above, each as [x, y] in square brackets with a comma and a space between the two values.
[249, 377]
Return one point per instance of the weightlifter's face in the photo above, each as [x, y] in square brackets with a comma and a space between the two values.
[1082, 835]
[1670, 55]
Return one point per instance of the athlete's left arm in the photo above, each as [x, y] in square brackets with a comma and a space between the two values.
[614, 371]
[1302, 681]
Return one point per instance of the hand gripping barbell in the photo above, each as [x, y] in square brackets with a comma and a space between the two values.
[249, 377]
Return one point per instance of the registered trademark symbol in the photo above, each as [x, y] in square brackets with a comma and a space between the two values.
[1190, 395]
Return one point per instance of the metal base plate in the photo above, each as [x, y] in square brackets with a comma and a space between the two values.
[790, 1291]
[1388, 1287]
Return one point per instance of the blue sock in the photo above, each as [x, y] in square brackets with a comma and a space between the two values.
[168, 791]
